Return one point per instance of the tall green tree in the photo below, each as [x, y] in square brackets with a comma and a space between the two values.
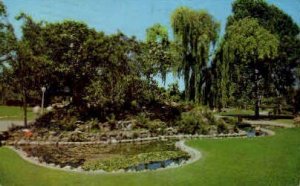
[119, 78]
[157, 34]
[222, 88]
[7, 37]
[279, 23]
[69, 47]
[195, 31]
[252, 47]
[30, 68]
[156, 56]
[7, 49]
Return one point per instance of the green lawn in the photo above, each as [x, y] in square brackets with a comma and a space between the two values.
[14, 113]
[271, 160]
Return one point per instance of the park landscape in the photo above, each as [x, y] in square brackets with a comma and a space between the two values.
[80, 106]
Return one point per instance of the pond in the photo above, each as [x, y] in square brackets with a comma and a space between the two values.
[136, 156]
[252, 132]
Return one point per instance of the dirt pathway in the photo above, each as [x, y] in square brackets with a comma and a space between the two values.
[268, 123]
[5, 124]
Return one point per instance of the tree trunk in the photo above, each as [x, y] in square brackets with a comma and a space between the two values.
[257, 108]
[256, 92]
[25, 108]
[186, 77]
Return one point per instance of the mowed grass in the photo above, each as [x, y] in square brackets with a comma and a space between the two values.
[273, 160]
[15, 113]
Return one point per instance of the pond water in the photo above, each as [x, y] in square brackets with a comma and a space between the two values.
[150, 154]
[157, 165]
[251, 132]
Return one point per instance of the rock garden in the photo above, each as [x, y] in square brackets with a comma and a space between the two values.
[65, 138]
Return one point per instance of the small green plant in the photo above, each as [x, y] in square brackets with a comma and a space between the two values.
[134, 104]
[135, 135]
[76, 137]
[112, 121]
[94, 124]
[142, 120]
[68, 123]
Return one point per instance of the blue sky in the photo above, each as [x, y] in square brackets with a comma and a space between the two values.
[130, 16]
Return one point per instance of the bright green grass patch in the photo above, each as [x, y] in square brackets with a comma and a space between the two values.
[15, 113]
[273, 160]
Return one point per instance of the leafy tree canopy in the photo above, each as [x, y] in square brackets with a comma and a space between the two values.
[247, 39]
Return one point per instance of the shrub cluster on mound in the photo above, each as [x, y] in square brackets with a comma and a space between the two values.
[71, 124]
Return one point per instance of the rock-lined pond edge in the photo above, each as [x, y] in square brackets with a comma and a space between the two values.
[194, 156]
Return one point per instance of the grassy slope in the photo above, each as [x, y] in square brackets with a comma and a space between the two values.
[271, 160]
[14, 113]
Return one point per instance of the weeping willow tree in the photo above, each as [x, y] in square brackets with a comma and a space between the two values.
[222, 88]
[195, 32]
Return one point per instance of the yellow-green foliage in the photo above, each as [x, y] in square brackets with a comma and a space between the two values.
[116, 163]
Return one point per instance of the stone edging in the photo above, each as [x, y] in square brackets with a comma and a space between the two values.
[269, 132]
[180, 137]
[195, 155]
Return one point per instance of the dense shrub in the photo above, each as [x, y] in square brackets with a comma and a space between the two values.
[222, 127]
[230, 120]
[142, 120]
[156, 126]
[59, 119]
[112, 121]
[197, 120]
[190, 123]
[210, 117]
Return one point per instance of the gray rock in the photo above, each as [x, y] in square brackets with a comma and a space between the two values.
[67, 167]
[51, 164]
[113, 140]
[129, 127]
